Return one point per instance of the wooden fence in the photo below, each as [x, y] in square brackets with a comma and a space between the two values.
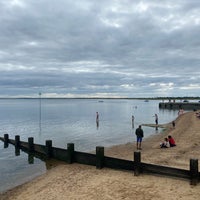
[99, 160]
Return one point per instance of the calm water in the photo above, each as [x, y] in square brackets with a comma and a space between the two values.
[65, 121]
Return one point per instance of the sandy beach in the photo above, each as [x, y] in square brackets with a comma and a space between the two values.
[75, 181]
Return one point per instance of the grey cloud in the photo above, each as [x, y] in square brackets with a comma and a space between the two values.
[120, 47]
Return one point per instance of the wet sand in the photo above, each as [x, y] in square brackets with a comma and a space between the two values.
[75, 181]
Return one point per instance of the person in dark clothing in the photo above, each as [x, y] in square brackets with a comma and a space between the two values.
[173, 124]
[140, 134]
[156, 119]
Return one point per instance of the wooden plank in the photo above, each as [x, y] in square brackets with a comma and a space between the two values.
[116, 163]
[85, 158]
[163, 170]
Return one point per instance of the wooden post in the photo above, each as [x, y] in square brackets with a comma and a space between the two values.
[49, 148]
[70, 151]
[194, 173]
[137, 163]
[6, 140]
[30, 144]
[99, 157]
[17, 141]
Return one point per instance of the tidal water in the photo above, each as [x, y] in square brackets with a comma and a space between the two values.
[69, 121]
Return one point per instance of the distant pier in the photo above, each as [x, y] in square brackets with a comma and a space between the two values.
[180, 105]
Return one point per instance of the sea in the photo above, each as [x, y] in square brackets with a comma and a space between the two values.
[70, 121]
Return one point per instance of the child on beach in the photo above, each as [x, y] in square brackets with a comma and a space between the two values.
[180, 112]
[165, 143]
[171, 141]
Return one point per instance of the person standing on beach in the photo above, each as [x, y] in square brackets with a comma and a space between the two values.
[156, 119]
[97, 116]
[173, 124]
[140, 134]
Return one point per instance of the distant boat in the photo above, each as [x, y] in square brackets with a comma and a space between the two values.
[146, 100]
[100, 101]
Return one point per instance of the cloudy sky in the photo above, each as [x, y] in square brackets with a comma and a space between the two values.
[107, 48]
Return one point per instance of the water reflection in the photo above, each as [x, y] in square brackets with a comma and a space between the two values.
[97, 119]
[133, 118]
[18, 167]
[97, 124]
[17, 151]
[6, 145]
[30, 158]
[40, 113]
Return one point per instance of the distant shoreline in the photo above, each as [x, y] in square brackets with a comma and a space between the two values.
[125, 98]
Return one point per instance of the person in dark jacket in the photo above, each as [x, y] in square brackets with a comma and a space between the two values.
[140, 134]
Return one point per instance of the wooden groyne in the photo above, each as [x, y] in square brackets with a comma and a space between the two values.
[99, 160]
[180, 105]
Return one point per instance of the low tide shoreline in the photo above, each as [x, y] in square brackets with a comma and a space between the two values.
[64, 181]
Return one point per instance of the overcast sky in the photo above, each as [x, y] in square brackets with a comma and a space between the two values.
[107, 48]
